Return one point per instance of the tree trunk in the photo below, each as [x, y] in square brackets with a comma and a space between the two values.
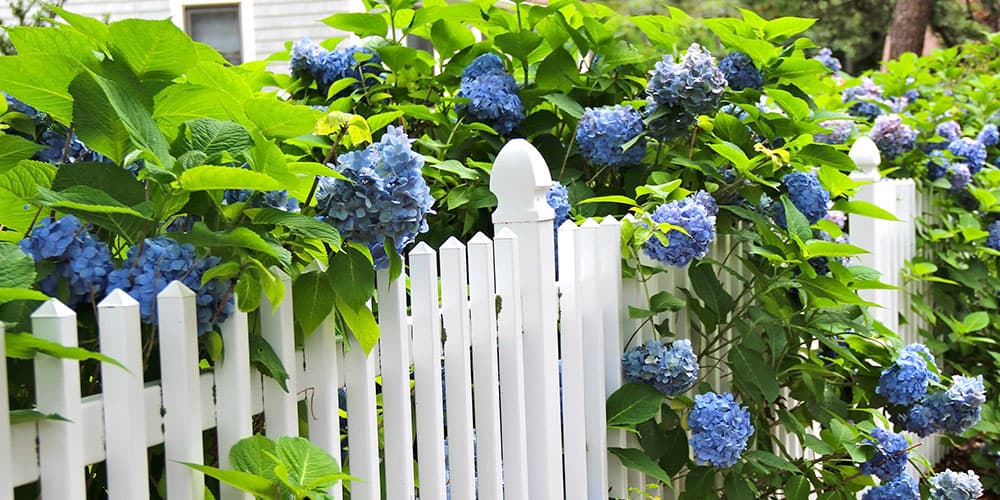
[909, 23]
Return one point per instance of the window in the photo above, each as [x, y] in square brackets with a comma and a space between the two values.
[218, 26]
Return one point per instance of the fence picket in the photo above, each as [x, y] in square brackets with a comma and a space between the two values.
[589, 295]
[609, 272]
[457, 369]
[394, 348]
[124, 420]
[362, 425]
[427, 372]
[6, 467]
[233, 415]
[574, 408]
[178, 339]
[276, 324]
[323, 383]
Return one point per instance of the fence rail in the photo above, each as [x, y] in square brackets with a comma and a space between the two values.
[526, 363]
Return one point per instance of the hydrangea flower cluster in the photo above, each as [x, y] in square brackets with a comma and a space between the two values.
[937, 165]
[953, 411]
[740, 71]
[906, 381]
[901, 487]
[80, 258]
[671, 370]
[678, 92]
[64, 147]
[865, 109]
[959, 174]
[152, 265]
[892, 136]
[867, 90]
[951, 485]
[386, 197]
[989, 135]
[697, 216]
[808, 196]
[971, 151]
[949, 130]
[993, 240]
[840, 131]
[308, 59]
[602, 132]
[14, 104]
[558, 198]
[826, 57]
[891, 455]
[492, 94]
[720, 429]
[268, 199]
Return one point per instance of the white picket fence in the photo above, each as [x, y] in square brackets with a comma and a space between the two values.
[490, 312]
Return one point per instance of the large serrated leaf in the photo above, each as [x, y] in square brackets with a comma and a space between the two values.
[250, 483]
[309, 466]
[359, 23]
[299, 224]
[177, 104]
[213, 137]
[152, 49]
[352, 277]
[17, 269]
[42, 83]
[86, 199]
[212, 177]
[14, 149]
[202, 237]
[633, 403]
[113, 180]
[280, 119]
[23, 180]
[253, 455]
[361, 322]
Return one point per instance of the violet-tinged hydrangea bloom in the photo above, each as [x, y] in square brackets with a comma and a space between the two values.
[678, 92]
[602, 132]
[953, 411]
[837, 217]
[906, 381]
[865, 109]
[950, 130]
[993, 240]
[959, 175]
[740, 71]
[826, 57]
[387, 198]
[82, 260]
[681, 249]
[840, 131]
[911, 95]
[890, 456]
[706, 200]
[720, 429]
[971, 151]
[671, 370]
[808, 196]
[901, 487]
[937, 165]
[492, 94]
[989, 135]
[951, 485]
[155, 263]
[892, 136]
[327, 67]
[268, 199]
[867, 90]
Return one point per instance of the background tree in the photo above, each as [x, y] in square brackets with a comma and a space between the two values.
[910, 19]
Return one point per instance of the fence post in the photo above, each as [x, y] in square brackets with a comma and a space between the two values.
[867, 232]
[276, 324]
[6, 467]
[57, 390]
[233, 414]
[122, 391]
[520, 180]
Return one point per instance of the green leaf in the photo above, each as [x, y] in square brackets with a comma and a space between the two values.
[250, 483]
[352, 277]
[797, 223]
[784, 27]
[302, 225]
[46, 41]
[154, 50]
[566, 103]
[12, 294]
[379, 121]
[708, 287]
[280, 119]
[27, 416]
[825, 155]
[178, 104]
[797, 488]
[864, 208]
[14, 149]
[92, 28]
[313, 302]
[252, 455]
[361, 24]
[212, 177]
[518, 44]
[796, 108]
[97, 123]
[748, 367]
[263, 357]
[241, 237]
[771, 460]
[113, 180]
[665, 301]
[614, 198]
[633, 403]
[637, 460]
[557, 71]
[738, 488]
[733, 153]
[455, 167]
[820, 248]
[975, 321]
[309, 466]
[17, 269]
[213, 137]
[86, 199]
[23, 180]
[26, 346]
[450, 36]
[42, 83]
[360, 322]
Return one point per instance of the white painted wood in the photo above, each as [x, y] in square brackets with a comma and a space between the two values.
[276, 325]
[57, 390]
[574, 408]
[322, 397]
[609, 276]
[427, 372]
[486, 367]
[394, 347]
[457, 369]
[514, 427]
[590, 293]
[233, 416]
[121, 340]
[178, 339]
[362, 425]
[520, 180]
[6, 467]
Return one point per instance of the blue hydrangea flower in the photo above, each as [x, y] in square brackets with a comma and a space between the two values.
[953, 411]
[720, 429]
[890, 457]
[826, 57]
[734, 110]
[327, 67]
[671, 370]
[51, 238]
[993, 240]
[901, 487]
[269, 199]
[82, 260]
[867, 90]
[492, 94]
[387, 197]
[950, 485]
[906, 381]
[678, 92]
[911, 95]
[892, 136]
[808, 196]
[971, 151]
[681, 249]
[62, 147]
[950, 130]
[865, 109]
[602, 132]
[305, 57]
[740, 71]
[155, 263]
[989, 135]
[840, 131]
[959, 174]
[706, 200]
[558, 198]
[837, 217]
[937, 165]
[488, 64]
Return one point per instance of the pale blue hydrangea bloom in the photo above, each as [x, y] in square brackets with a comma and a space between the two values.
[906, 381]
[678, 92]
[892, 136]
[949, 130]
[867, 90]
[840, 131]
[959, 174]
[740, 71]
[268, 199]
[602, 132]
[937, 165]
[671, 370]
[901, 487]
[692, 215]
[953, 411]
[808, 196]
[971, 151]
[891, 455]
[720, 429]
[308, 59]
[826, 57]
[993, 240]
[950, 485]
[558, 198]
[988, 135]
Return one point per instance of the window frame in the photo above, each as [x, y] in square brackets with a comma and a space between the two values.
[248, 45]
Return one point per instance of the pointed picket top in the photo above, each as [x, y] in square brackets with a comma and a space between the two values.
[610, 221]
[479, 239]
[175, 290]
[567, 226]
[316, 265]
[117, 299]
[453, 243]
[520, 179]
[505, 234]
[281, 275]
[422, 248]
[590, 224]
[53, 308]
[865, 154]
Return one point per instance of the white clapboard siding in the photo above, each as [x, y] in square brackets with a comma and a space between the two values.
[394, 347]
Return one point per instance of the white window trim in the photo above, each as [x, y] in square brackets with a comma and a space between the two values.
[248, 44]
